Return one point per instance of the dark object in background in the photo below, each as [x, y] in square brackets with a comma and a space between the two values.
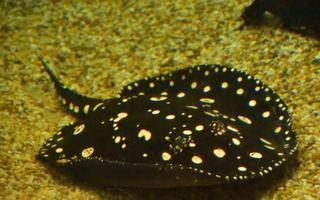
[298, 15]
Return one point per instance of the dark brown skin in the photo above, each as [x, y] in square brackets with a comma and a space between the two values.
[300, 15]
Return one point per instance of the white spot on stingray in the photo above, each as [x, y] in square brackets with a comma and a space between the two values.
[117, 139]
[171, 83]
[155, 112]
[181, 94]
[97, 106]
[269, 147]
[220, 153]
[206, 88]
[120, 116]
[145, 133]
[242, 169]
[76, 109]
[207, 100]
[166, 156]
[235, 141]
[169, 117]
[245, 119]
[71, 106]
[268, 98]
[265, 141]
[224, 85]
[252, 103]
[211, 114]
[151, 85]
[266, 114]
[196, 159]
[206, 73]
[194, 85]
[59, 150]
[278, 129]
[158, 98]
[199, 128]
[231, 128]
[86, 109]
[144, 155]
[78, 129]
[187, 132]
[239, 79]
[164, 93]
[240, 91]
[192, 107]
[256, 155]
[87, 152]
[191, 144]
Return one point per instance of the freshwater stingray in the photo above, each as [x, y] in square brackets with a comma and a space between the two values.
[201, 125]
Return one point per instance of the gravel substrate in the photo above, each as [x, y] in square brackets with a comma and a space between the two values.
[96, 47]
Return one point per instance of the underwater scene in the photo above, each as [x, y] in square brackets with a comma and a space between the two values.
[172, 100]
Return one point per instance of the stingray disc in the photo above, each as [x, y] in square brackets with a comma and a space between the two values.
[202, 125]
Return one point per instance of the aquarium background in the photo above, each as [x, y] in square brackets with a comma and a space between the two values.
[96, 47]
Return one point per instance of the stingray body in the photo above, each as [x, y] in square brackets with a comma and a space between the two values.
[201, 125]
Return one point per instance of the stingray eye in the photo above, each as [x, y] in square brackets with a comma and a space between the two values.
[201, 125]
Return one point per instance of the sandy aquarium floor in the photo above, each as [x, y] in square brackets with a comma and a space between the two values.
[98, 47]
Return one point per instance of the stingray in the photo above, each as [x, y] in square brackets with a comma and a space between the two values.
[200, 125]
